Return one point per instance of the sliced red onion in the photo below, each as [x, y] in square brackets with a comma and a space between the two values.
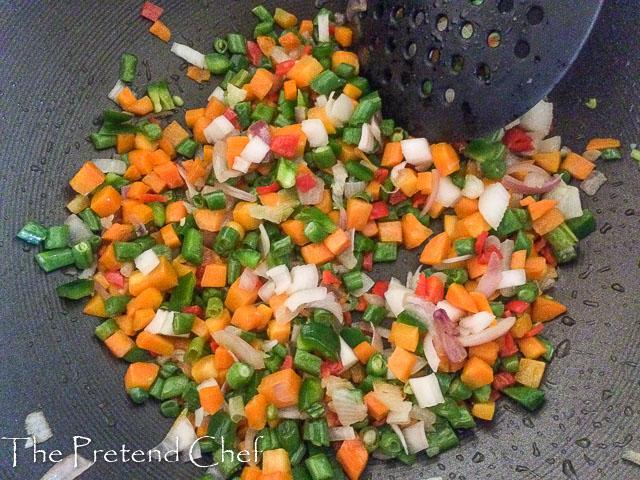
[526, 167]
[488, 334]
[444, 336]
[236, 192]
[354, 7]
[338, 434]
[313, 196]
[72, 466]
[248, 280]
[416, 437]
[435, 182]
[188, 54]
[279, 54]
[260, 129]
[342, 218]
[490, 281]
[297, 52]
[244, 351]
[515, 185]
[249, 441]
[348, 259]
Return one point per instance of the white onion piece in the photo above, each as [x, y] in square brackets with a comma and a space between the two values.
[513, 278]
[218, 129]
[218, 93]
[78, 231]
[255, 151]
[550, 145]
[347, 357]
[110, 165]
[448, 194]
[347, 406]
[303, 277]
[291, 412]
[277, 214]
[198, 417]
[241, 349]
[473, 186]
[281, 278]
[539, 118]
[416, 151]
[477, 322]
[352, 188]
[37, 428]
[181, 436]
[300, 114]
[367, 141]
[461, 258]
[568, 198]
[316, 133]
[341, 109]
[338, 434]
[427, 390]
[331, 384]
[416, 437]
[395, 296]
[147, 261]
[279, 54]
[340, 176]
[488, 334]
[265, 242]
[188, 54]
[314, 195]
[398, 432]
[431, 199]
[116, 91]
[248, 280]
[72, 466]
[323, 27]
[593, 182]
[430, 353]
[303, 297]
[236, 192]
[493, 203]
[367, 284]
[234, 95]
[220, 167]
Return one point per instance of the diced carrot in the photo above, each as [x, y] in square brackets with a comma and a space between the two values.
[236, 296]
[476, 373]
[486, 351]
[344, 36]
[174, 133]
[526, 201]
[207, 154]
[450, 222]
[435, 251]
[246, 317]
[475, 224]
[521, 326]
[266, 44]
[547, 222]
[154, 181]
[424, 182]
[108, 259]
[276, 462]
[150, 298]
[175, 211]
[290, 89]
[326, 204]
[353, 457]
[316, 253]
[482, 304]
[281, 388]
[223, 359]
[305, 70]
[531, 347]
[545, 309]
[535, 267]
[549, 161]
[458, 296]
[445, 158]
[261, 82]
[198, 74]
[142, 317]
[358, 212]
[436, 210]
[518, 259]
[377, 410]
[235, 145]
[401, 362]
[215, 324]
[242, 216]
[342, 56]
[142, 160]
[95, 307]
[483, 410]
[352, 91]
[215, 275]
[577, 166]
[119, 343]
[118, 232]
[141, 375]
[251, 473]
[88, 178]
[124, 142]
[363, 351]
[289, 41]
[132, 174]
[211, 399]
[390, 231]
[306, 26]
[198, 129]
[160, 30]
[163, 277]
[169, 236]
[204, 369]
[337, 242]
[170, 174]
[466, 206]
[195, 170]
[190, 116]
[475, 268]
[407, 181]
[539, 208]
[602, 143]
[279, 331]
[126, 98]
[256, 411]
[392, 154]
[136, 190]
[140, 107]
[295, 229]
[405, 336]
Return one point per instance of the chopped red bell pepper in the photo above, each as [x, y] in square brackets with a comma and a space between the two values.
[151, 12]
[330, 278]
[548, 255]
[381, 174]
[214, 346]
[495, 396]
[274, 187]
[378, 210]
[307, 50]
[347, 318]
[254, 53]
[331, 368]
[430, 288]
[509, 346]
[380, 288]
[306, 182]
[486, 255]
[539, 244]
[516, 306]
[517, 140]
[285, 145]
[534, 331]
[194, 309]
[367, 261]
[459, 146]
[153, 197]
[503, 380]
[419, 199]
[153, 120]
[507, 314]
[397, 197]
[362, 304]
[480, 242]
[231, 115]
[332, 419]
[283, 68]
[332, 29]
[115, 278]
[288, 362]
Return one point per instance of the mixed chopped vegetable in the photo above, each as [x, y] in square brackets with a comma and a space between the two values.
[229, 256]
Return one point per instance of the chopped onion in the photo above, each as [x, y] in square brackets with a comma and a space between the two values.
[220, 167]
[367, 141]
[341, 109]
[241, 349]
[539, 118]
[147, 261]
[321, 101]
[181, 437]
[454, 313]
[550, 145]
[568, 198]
[281, 278]
[110, 165]
[395, 296]
[416, 151]
[416, 437]
[488, 334]
[338, 434]
[423, 414]
[389, 394]
[218, 93]
[444, 337]
[461, 258]
[72, 466]
[78, 230]
[513, 278]
[116, 91]
[313, 196]
[218, 129]
[277, 214]
[430, 353]
[235, 95]
[477, 322]
[347, 357]
[248, 280]
[267, 290]
[517, 186]
[236, 192]
[340, 176]
[394, 175]
[303, 277]
[106, 222]
[188, 54]
[279, 54]
[427, 390]
[304, 297]
[265, 242]
[448, 194]
[256, 150]
[473, 186]
[348, 406]
[493, 203]
[492, 278]
[398, 432]
[323, 27]
[352, 188]
[198, 417]
[331, 384]
[431, 199]
[593, 182]
[316, 133]
[291, 412]
[300, 114]
[37, 428]
[162, 324]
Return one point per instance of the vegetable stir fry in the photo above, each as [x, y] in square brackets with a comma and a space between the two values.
[228, 253]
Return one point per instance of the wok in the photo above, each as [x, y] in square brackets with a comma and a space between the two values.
[59, 59]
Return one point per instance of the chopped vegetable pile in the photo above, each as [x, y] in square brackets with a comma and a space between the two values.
[228, 254]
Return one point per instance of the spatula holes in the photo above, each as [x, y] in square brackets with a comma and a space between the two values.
[377, 11]
[449, 95]
[391, 44]
[426, 88]
[466, 31]
[419, 18]
[457, 63]
[535, 15]
[493, 39]
[476, 2]
[410, 50]
[483, 73]
[397, 13]
[405, 79]
[434, 56]
[505, 6]
[442, 22]
[521, 49]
